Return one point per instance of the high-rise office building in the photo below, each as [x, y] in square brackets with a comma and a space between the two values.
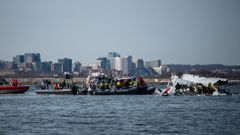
[67, 64]
[130, 68]
[57, 68]
[139, 63]
[113, 55]
[77, 67]
[2, 64]
[10, 65]
[18, 59]
[102, 63]
[37, 66]
[153, 63]
[32, 57]
[46, 66]
[123, 64]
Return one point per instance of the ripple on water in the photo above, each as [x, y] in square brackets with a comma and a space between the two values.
[134, 115]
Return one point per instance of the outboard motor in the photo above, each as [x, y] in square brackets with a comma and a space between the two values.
[74, 90]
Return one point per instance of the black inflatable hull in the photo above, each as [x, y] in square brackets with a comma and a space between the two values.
[129, 91]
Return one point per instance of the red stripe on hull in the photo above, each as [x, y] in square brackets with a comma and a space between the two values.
[13, 89]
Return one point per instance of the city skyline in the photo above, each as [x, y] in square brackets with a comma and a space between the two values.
[96, 60]
[177, 32]
[30, 64]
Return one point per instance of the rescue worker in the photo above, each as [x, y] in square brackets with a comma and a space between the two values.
[133, 83]
[118, 84]
[63, 84]
[14, 82]
[106, 84]
[56, 86]
[101, 85]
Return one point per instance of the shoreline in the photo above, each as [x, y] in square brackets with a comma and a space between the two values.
[80, 80]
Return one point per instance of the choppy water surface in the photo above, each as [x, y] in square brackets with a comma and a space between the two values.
[148, 114]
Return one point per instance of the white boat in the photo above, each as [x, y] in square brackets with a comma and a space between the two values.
[204, 80]
[55, 92]
[189, 84]
[64, 88]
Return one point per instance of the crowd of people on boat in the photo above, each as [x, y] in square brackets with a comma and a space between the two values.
[45, 85]
[104, 82]
[13, 82]
[197, 89]
[201, 89]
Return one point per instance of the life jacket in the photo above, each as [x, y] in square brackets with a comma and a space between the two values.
[133, 83]
[56, 86]
[118, 84]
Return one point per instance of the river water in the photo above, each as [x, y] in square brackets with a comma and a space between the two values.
[30, 113]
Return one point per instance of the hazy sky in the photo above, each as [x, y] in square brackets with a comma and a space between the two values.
[175, 31]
